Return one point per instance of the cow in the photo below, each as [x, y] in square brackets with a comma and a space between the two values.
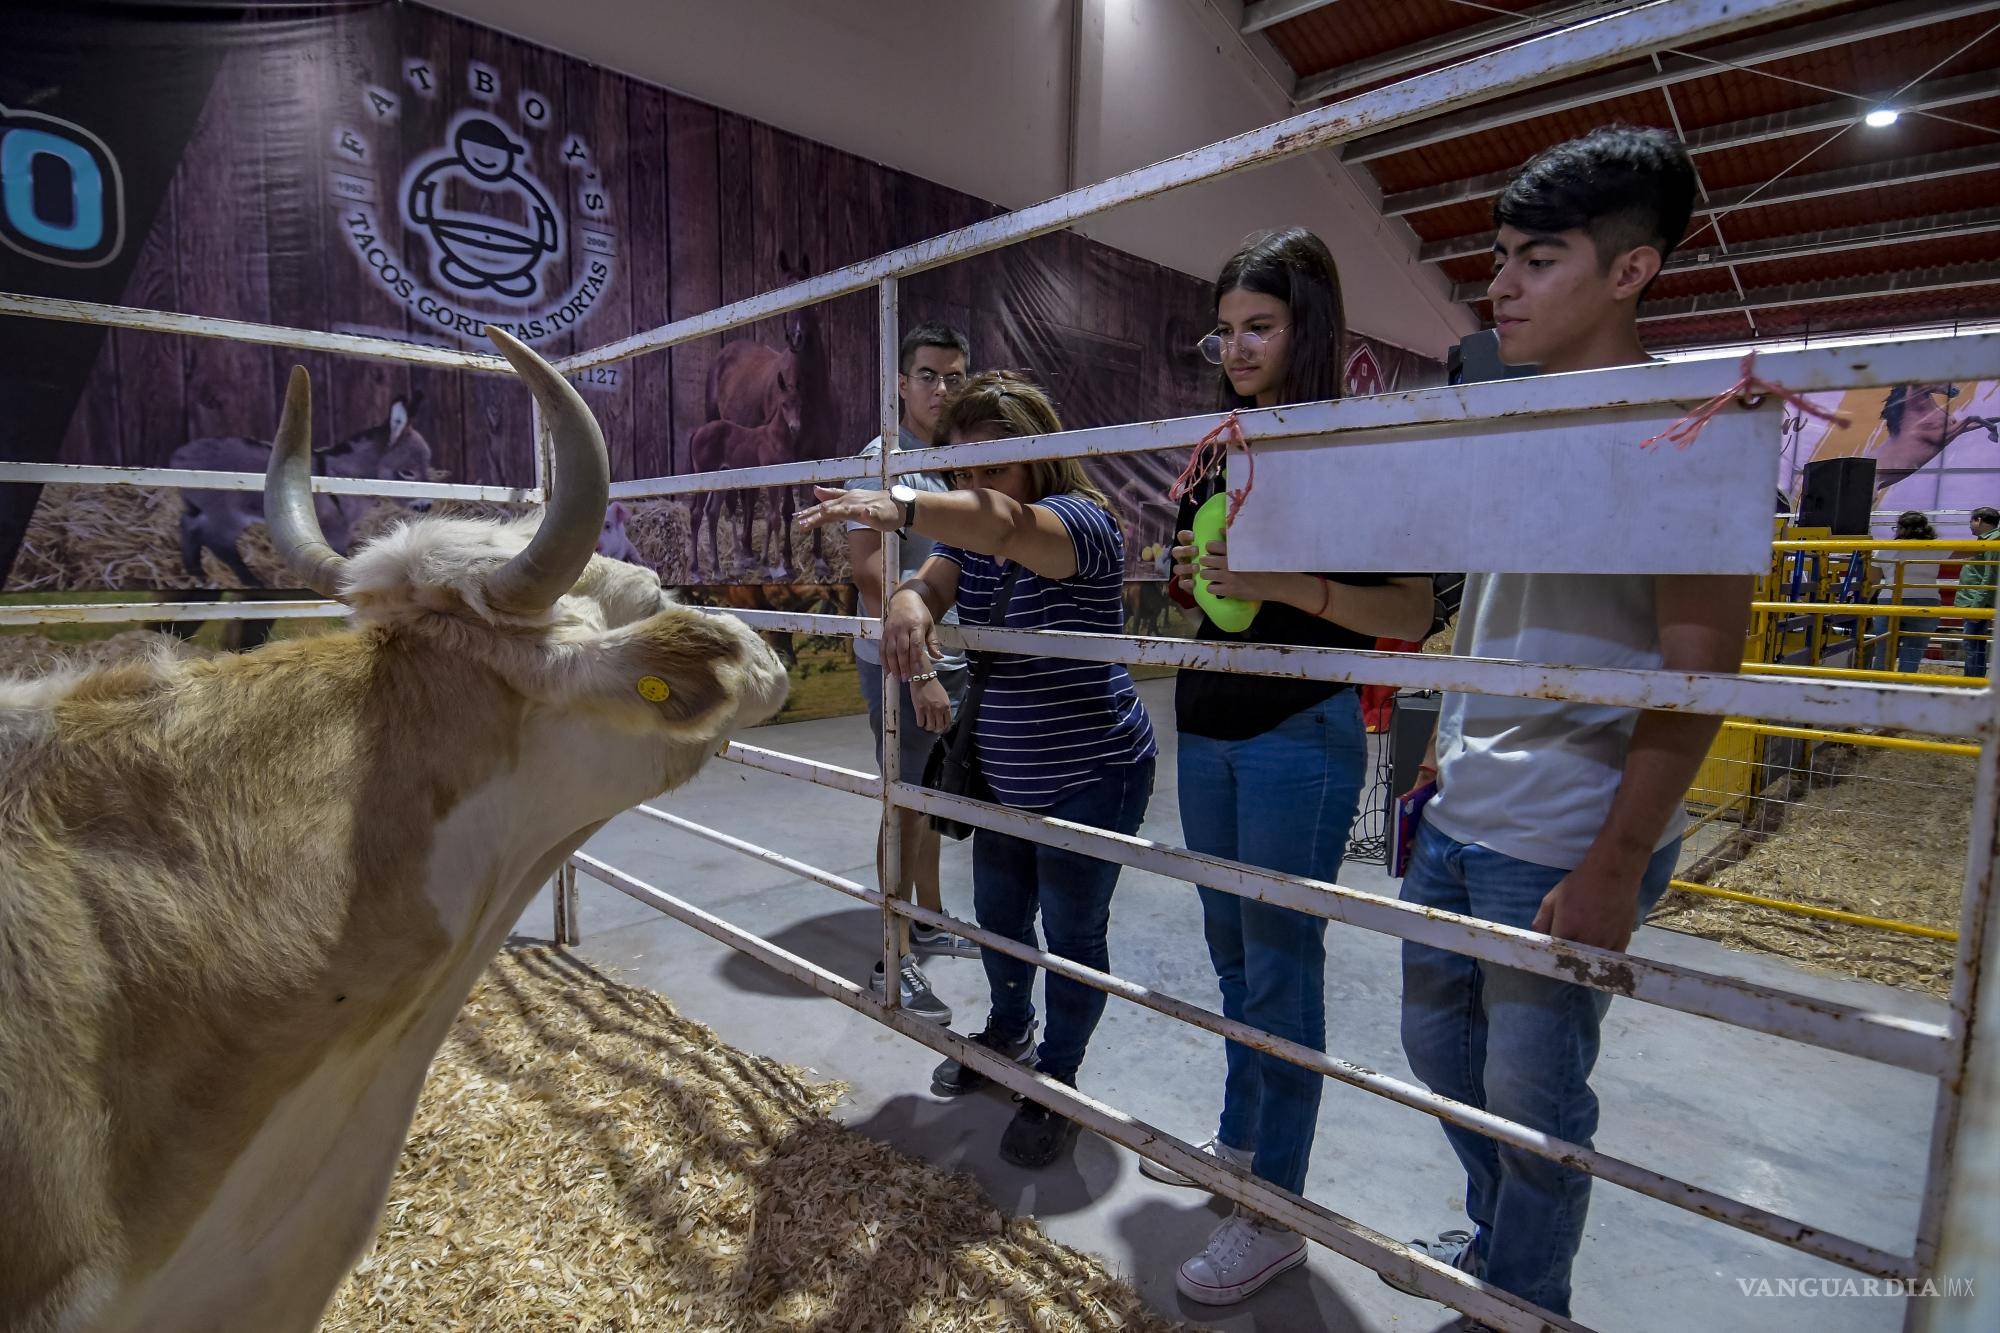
[393, 450]
[242, 898]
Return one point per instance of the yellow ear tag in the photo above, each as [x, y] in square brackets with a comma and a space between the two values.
[653, 689]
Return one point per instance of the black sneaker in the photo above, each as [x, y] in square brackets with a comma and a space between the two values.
[952, 1079]
[915, 991]
[1036, 1136]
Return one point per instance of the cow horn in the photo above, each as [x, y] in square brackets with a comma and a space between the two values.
[288, 501]
[579, 487]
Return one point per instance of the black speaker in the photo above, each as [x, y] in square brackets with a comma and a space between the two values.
[1410, 727]
[1475, 359]
[1837, 495]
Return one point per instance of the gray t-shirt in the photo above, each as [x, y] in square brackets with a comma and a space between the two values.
[1533, 778]
[916, 549]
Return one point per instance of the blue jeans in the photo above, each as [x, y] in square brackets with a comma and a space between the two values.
[1911, 644]
[1013, 877]
[1978, 634]
[1517, 1044]
[1284, 801]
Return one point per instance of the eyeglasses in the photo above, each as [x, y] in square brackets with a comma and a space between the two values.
[1251, 344]
[928, 380]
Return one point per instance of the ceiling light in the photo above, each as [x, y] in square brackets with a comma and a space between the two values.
[1881, 118]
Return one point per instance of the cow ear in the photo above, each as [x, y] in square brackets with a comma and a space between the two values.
[399, 420]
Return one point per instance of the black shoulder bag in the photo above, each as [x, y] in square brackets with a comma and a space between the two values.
[952, 767]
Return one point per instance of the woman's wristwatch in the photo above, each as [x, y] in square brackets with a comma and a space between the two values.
[905, 496]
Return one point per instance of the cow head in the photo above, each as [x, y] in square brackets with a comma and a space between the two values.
[605, 664]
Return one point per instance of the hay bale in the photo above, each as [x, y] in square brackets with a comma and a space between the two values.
[1878, 832]
[102, 537]
[584, 1157]
[659, 530]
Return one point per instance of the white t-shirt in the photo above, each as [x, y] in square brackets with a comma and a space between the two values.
[1533, 778]
[915, 549]
[1920, 579]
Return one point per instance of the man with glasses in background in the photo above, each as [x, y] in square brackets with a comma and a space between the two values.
[933, 359]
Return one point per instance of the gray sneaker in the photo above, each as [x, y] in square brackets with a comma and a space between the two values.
[915, 991]
[1451, 1248]
[923, 939]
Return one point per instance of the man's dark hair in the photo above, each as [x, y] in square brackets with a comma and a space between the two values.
[1624, 186]
[1915, 525]
[932, 335]
[1987, 514]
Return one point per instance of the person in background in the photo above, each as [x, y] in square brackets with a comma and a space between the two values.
[1053, 736]
[1976, 580]
[932, 360]
[1920, 580]
[1271, 770]
[1554, 816]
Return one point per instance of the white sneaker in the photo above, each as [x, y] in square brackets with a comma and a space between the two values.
[1244, 1253]
[1215, 1148]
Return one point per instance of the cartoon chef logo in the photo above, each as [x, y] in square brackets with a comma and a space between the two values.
[486, 250]
[466, 233]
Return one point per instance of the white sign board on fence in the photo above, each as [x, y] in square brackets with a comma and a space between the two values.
[1564, 495]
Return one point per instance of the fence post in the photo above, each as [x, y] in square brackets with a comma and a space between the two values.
[567, 929]
[888, 343]
[1946, 1176]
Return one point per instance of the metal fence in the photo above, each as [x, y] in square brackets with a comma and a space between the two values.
[1774, 695]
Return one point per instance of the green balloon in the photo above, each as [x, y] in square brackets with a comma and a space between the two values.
[1233, 614]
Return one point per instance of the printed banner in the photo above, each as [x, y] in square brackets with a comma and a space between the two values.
[1936, 447]
[393, 171]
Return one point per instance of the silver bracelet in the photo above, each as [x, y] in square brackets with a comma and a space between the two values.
[921, 677]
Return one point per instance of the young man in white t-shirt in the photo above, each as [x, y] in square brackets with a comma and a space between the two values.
[1552, 816]
[934, 359]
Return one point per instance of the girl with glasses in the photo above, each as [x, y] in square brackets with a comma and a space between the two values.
[1271, 770]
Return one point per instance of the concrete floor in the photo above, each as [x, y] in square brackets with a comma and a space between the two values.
[1834, 1141]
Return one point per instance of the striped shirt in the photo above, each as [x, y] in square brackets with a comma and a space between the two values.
[1049, 726]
